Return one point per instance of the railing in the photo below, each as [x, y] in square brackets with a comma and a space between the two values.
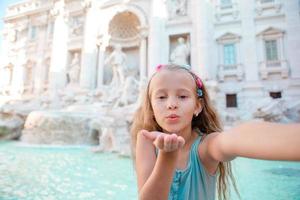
[223, 11]
[230, 71]
[268, 68]
[268, 5]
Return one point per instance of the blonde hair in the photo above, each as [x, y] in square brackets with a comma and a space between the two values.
[207, 122]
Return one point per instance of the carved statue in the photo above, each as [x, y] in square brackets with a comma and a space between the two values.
[129, 92]
[77, 27]
[8, 69]
[117, 60]
[74, 69]
[28, 76]
[181, 53]
[178, 8]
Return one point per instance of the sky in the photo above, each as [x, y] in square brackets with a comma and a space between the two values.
[3, 6]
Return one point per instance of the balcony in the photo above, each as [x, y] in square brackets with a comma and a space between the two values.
[268, 8]
[226, 13]
[268, 68]
[226, 71]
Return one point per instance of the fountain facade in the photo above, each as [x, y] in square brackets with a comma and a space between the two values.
[72, 70]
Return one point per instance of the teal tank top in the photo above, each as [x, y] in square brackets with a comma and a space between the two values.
[194, 182]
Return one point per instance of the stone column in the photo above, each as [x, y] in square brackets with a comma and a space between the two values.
[281, 51]
[143, 53]
[18, 83]
[39, 77]
[238, 52]
[202, 37]
[157, 35]
[59, 47]
[101, 53]
[4, 70]
[89, 54]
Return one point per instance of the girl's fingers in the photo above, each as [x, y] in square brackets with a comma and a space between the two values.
[167, 143]
[174, 142]
[159, 142]
[150, 135]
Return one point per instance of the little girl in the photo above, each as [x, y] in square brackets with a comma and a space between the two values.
[179, 147]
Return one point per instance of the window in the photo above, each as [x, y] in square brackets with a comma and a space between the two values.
[231, 101]
[33, 32]
[229, 54]
[272, 57]
[229, 62]
[275, 95]
[271, 50]
[226, 3]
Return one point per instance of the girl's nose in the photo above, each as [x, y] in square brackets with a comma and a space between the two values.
[172, 104]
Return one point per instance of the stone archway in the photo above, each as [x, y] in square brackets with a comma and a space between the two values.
[124, 29]
[126, 26]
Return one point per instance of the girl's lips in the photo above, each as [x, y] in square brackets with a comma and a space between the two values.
[172, 118]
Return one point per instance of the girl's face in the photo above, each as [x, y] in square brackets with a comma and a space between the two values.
[173, 99]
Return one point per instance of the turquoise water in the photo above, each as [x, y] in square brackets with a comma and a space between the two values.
[73, 173]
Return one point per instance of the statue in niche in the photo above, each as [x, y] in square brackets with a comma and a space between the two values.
[47, 70]
[29, 75]
[8, 70]
[74, 69]
[77, 27]
[178, 8]
[181, 52]
[117, 61]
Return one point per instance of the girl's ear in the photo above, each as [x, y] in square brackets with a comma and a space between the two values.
[198, 108]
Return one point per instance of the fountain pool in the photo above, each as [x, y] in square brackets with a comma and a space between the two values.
[60, 172]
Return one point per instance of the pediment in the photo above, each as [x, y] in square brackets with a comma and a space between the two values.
[271, 31]
[228, 36]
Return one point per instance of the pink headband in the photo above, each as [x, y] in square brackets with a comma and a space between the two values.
[197, 79]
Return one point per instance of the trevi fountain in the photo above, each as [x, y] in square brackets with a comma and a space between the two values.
[72, 71]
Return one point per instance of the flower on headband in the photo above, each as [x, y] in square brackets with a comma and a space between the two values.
[158, 67]
[199, 85]
[199, 93]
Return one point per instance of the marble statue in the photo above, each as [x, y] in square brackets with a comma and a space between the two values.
[271, 110]
[103, 126]
[28, 75]
[27, 70]
[181, 52]
[117, 61]
[76, 27]
[128, 93]
[74, 69]
[178, 8]
[8, 71]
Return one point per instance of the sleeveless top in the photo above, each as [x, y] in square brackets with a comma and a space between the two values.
[193, 182]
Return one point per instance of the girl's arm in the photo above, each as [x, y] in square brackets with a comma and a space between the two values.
[154, 175]
[259, 140]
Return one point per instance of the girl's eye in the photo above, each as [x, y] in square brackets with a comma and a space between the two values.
[182, 96]
[162, 97]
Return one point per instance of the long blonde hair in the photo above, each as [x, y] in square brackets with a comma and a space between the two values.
[207, 122]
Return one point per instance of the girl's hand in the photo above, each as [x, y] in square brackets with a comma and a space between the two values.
[164, 142]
